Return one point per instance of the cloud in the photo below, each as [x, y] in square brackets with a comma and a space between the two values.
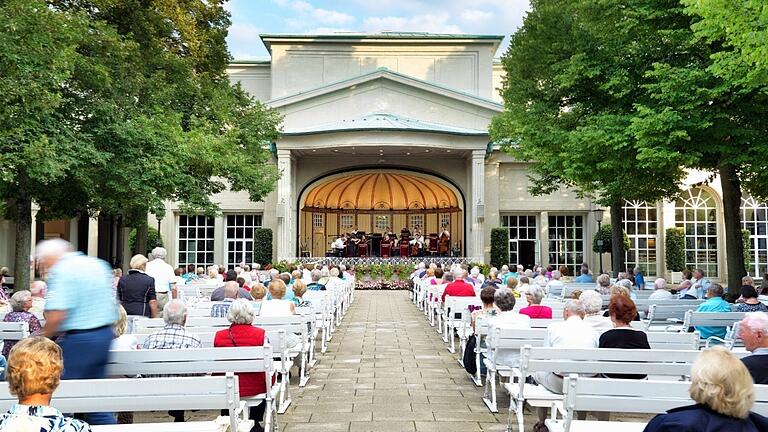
[476, 16]
[434, 23]
[308, 14]
[325, 16]
[243, 33]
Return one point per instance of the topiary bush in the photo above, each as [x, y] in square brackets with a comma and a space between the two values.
[154, 239]
[675, 249]
[499, 247]
[605, 234]
[262, 246]
[746, 241]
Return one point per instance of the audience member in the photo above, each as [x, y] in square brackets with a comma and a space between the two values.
[749, 301]
[753, 331]
[218, 294]
[747, 280]
[639, 278]
[724, 395]
[136, 290]
[190, 275]
[555, 284]
[123, 340]
[604, 284]
[491, 281]
[660, 291]
[86, 325]
[525, 284]
[299, 289]
[34, 370]
[458, 288]
[622, 310]
[584, 277]
[698, 285]
[38, 290]
[21, 302]
[507, 318]
[242, 333]
[231, 292]
[164, 276]
[315, 285]
[512, 283]
[714, 303]
[593, 306]
[535, 310]
[258, 294]
[489, 308]
[277, 306]
[438, 280]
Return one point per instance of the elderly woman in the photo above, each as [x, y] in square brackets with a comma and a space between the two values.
[123, 340]
[21, 302]
[241, 334]
[299, 289]
[604, 284]
[34, 370]
[593, 306]
[136, 290]
[507, 318]
[258, 292]
[276, 306]
[749, 301]
[489, 309]
[622, 311]
[535, 310]
[724, 394]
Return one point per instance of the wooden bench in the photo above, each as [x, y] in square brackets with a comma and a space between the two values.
[629, 396]
[151, 394]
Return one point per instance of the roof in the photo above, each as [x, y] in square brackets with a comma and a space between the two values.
[383, 121]
[253, 61]
[385, 35]
[384, 73]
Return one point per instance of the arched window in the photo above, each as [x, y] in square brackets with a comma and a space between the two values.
[754, 218]
[696, 213]
[641, 225]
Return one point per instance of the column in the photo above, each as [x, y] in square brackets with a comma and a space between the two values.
[286, 230]
[477, 206]
[93, 236]
[544, 238]
[220, 241]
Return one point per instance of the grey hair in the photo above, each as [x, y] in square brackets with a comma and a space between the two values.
[240, 312]
[18, 299]
[274, 273]
[458, 273]
[520, 267]
[334, 272]
[505, 268]
[756, 321]
[159, 253]
[342, 267]
[315, 275]
[592, 302]
[537, 293]
[175, 312]
[504, 299]
[256, 266]
[448, 277]
[231, 289]
[604, 280]
[52, 247]
[575, 307]
[660, 283]
[556, 274]
[716, 289]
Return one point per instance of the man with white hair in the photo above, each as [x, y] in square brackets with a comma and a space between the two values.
[593, 305]
[660, 291]
[459, 288]
[173, 336]
[218, 294]
[753, 330]
[38, 290]
[555, 284]
[315, 284]
[165, 279]
[220, 309]
[80, 305]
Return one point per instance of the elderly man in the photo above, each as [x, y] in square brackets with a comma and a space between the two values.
[593, 305]
[220, 309]
[555, 284]
[753, 330]
[218, 294]
[38, 290]
[572, 332]
[698, 288]
[459, 288]
[660, 291]
[714, 303]
[508, 318]
[85, 327]
[173, 336]
[165, 279]
[584, 277]
[315, 284]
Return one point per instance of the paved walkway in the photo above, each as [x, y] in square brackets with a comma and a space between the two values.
[386, 369]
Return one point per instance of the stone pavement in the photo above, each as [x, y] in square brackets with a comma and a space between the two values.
[386, 369]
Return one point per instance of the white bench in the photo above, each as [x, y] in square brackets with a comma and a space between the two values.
[664, 315]
[629, 396]
[454, 310]
[149, 394]
[726, 320]
[13, 331]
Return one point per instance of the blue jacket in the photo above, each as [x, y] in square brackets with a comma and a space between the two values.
[714, 304]
[699, 418]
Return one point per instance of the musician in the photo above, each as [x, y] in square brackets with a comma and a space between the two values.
[417, 245]
[353, 240]
[416, 231]
[405, 232]
[339, 244]
[444, 242]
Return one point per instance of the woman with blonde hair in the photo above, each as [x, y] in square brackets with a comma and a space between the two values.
[123, 339]
[724, 394]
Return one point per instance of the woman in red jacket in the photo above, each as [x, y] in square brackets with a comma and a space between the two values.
[240, 334]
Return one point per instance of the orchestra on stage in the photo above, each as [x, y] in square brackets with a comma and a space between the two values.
[387, 244]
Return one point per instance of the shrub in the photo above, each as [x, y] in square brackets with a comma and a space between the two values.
[154, 239]
[499, 246]
[675, 249]
[387, 271]
[375, 271]
[262, 246]
[605, 234]
[747, 249]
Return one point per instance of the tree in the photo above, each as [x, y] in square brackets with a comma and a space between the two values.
[572, 78]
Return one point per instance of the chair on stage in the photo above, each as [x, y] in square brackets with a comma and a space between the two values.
[350, 249]
[386, 250]
[404, 246]
[362, 249]
[432, 244]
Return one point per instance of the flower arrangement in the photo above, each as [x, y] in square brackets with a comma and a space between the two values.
[391, 285]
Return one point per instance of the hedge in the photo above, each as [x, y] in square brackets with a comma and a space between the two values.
[499, 247]
[747, 243]
[262, 246]
[675, 249]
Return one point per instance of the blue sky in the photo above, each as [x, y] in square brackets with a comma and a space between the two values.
[251, 17]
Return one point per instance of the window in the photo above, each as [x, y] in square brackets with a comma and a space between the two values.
[754, 218]
[240, 238]
[196, 240]
[347, 222]
[641, 225]
[416, 221]
[566, 242]
[382, 223]
[317, 220]
[523, 239]
[445, 220]
[696, 213]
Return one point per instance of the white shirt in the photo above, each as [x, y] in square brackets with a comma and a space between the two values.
[276, 308]
[124, 342]
[571, 333]
[599, 322]
[338, 243]
[506, 320]
[554, 283]
[661, 294]
[163, 274]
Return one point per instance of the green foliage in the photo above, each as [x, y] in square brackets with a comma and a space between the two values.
[375, 270]
[387, 271]
[262, 246]
[675, 249]
[606, 236]
[154, 239]
[499, 246]
[403, 270]
[484, 268]
[283, 266]
[363, 269]
[747, 245]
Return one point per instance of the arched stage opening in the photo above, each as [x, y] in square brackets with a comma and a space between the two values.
[371, 200]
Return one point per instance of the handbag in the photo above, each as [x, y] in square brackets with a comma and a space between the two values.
[469, 355]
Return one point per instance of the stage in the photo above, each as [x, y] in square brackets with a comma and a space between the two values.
[353, 261]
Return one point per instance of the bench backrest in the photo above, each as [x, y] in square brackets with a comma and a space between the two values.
[712, 319]
[460, 305]
[190, 361]
[514, 338]
[673, 341]
[660, 314]
[14, 330]
[543, 323]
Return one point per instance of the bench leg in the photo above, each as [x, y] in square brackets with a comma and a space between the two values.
[285, 392]
[477, 378]
[303, 377]
[270, 417]
[489, 394]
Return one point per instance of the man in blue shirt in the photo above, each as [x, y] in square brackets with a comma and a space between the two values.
[80, 307]
[639, 279]
[584, 277]
[714, 303]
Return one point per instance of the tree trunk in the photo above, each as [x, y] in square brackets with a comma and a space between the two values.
[142, 232]
[22, 209]
[617, 238]
[734, 249]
